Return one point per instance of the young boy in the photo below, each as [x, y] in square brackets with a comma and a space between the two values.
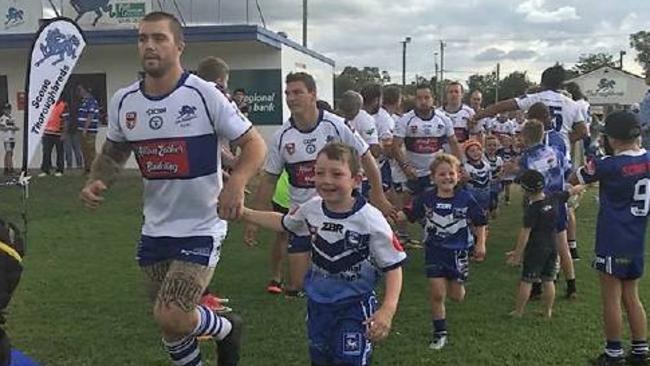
[477, 173]
[509, 156]
[496, 167]
[8, 130]
[624, 192]
[352, 244]
[447, 213]
[553, 165]
[536, 241]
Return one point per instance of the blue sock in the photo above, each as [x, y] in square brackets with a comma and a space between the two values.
[640, 348]
[211, 324]
[614, 349]
[184, 352]
[440, 327]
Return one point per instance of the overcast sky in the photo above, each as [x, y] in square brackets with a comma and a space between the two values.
[521, 35]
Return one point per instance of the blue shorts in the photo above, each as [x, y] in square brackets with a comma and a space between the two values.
[299, 244]
[620, 267]
[203, 250]
[452, 264]
[494, 200]
[419, 185]
[386, 175]
[562, 218]
[337, 335]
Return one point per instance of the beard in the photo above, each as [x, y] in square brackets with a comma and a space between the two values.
[155, 69]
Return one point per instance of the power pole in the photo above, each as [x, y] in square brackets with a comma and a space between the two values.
[435, 75]
[304, 23]
[620, 55]
[247, 15]
[442, 69]
[404, 42]
[496, 88]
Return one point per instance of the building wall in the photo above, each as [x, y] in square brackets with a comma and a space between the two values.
[608, 86]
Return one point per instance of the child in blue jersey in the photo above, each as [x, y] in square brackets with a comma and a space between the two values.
[477, 173]
[624, 191]
[352, 244]
[553, 165]
[447, 213]
[496, 169]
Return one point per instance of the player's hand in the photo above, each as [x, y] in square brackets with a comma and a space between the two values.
[513, 258]
[379, 324]
[91, 194]
[479, 253]
[250, 232]
[231, 199]
[410, 172]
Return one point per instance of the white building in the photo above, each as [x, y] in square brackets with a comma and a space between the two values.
[609, 89]
[259, 58]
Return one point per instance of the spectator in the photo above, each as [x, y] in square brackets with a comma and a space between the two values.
[8, 130]
[87, 124]
[239, 96]
[644, 113]
[52, 139]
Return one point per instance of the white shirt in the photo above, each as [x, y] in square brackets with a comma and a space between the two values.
[423, 139]
[506, 127]
[7, 128]
[364, 124]
[296, 151]
[460, 119]
[175, 142]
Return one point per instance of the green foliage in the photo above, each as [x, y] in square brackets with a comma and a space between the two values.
[590, 62]
[640, 41]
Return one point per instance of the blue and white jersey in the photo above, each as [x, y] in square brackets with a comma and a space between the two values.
[174, 138]
[447, 221]
[423, 138]
[565, 112]
[553, 139]
[496, 166]
[385, 128]
[624, 191]
[349, 250]
[88, 109]
[502, 126]
[508, 155]
[296, 151]
[480, 175]
[364, 124]
[460, 119]
[548, 161]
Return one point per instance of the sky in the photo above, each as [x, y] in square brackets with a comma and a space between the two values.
[527, 35]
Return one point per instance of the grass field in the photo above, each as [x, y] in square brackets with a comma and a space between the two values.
[81, 302]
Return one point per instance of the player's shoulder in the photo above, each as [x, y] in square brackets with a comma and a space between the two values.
[441, 114]
[127, 90]
[467, 109]
[372, 217]
[313, 206]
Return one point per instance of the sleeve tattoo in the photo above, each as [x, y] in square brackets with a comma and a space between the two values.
[110, 161]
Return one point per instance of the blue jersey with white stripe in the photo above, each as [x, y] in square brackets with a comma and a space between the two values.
[548, 161]
[447, 221]
[88, 110]
[349, 250]
[624, 192]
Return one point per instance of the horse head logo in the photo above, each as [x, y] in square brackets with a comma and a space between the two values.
[14, 16]
[605, 85]
[58, 44]
[99, 7]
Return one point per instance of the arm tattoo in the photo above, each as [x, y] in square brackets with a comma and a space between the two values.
[110, 161]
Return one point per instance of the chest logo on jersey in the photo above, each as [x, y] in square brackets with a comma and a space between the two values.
[155, 123]
[443, 206]
[185, 114]
[329, 138]
[330, 226]
[166, 159]
[155, 111]
[131, 120]
[290, 148]
[310, 148]
[354, 240]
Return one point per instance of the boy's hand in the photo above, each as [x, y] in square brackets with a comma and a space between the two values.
[401, 217]
[379, 324]
[513, 258]
[91, 194]
[576, 190]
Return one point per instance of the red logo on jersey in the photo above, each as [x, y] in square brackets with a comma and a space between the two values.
[423, 145]
[162, 159]
[396, 244]
[301, 175]
[131, 119]
[290, 148]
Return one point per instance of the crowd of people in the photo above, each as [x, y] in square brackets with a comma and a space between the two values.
[341, 187]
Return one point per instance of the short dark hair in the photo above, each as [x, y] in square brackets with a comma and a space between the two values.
[174, 24]
[532, 132]
[370, 92]
[423, 86]
[239, 90]
[303, 77]
[574, 89]
[553, 77]
[342, 152]
[391, 95]
[462, 88]
[212, 68]
[538, 111]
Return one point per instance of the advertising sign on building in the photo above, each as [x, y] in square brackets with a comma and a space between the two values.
[20, 16]
[106, 14]
[263, 94]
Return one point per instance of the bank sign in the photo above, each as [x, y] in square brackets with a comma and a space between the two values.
[263, 94]
[102, 14]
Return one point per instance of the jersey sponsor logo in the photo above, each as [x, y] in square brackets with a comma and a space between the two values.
[354, 240]
[186, 114]
[301, 175]
[330, 226]
[352, 344]
[636, 169]
[310, 148]
[155, 111]
[155, 123]
[167, 159]
[131, 120]
[423, 145]
[290, 148]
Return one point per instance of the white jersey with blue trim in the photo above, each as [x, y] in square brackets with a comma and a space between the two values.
[502, 127]
[174, 138]
[479, 173]
[364, 124]
[423, 138]
[296, 151]
[460, 119]
[349, 250]
[385, 124]
[564, 111]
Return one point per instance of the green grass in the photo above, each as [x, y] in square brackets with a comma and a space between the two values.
[81, 302]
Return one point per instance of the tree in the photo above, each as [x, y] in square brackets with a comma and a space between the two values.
[514, 85]
[352, 78]
[486, 83]
[590, 62]
[640, 41]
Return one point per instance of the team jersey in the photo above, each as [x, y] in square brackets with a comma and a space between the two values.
[349, 250]
[517, 127]
[565, 112]
[89, 109]
[385, 124]
[507, 155]
[502, 127]
[460, 120]
[364, 125]
[447, 221]
[423, 138]
[585, 110]
[548, 161]
[624, 192]
[553, 139]
[480, 175]
[8, 128]
[296, 151]
[396, 173]
[175, 141]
